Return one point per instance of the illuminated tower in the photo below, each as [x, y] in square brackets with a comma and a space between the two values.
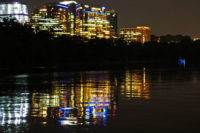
[76, 19]
[56, 17]
[112, 18]
[36, 16]
[65, 12]
[91, 22]
[14, 10]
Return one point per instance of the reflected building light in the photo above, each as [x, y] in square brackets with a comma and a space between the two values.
[136, 85]
[22, 80]
[65, 116]
[97, 101]
[79, 103]
[13, 109]
[68, 122]
[144, 78]
[41, 103]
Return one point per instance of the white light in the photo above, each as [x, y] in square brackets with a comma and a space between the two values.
[68, 2]
[68, 122]
[15, 10]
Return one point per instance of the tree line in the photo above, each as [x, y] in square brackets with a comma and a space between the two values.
[21, 46]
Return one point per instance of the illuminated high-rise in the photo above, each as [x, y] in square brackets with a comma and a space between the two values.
[92, 22]
[56, 17]
[36, 15]
[40, 22]
[14, 10]
[77, 19]
[65, 12]
[112, 18]
[140, 34]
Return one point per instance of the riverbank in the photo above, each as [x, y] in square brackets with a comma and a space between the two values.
[89, 66]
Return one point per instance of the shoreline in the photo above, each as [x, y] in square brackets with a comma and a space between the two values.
[89, 66]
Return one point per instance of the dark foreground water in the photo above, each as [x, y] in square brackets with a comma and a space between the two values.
[122, 101]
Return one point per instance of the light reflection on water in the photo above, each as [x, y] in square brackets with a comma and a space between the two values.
[13, 110]
[79, 98]
[135, 85]
[82, 102]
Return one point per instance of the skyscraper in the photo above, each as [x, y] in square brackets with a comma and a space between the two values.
[14, 10]
[78, 19]
[58, 18]
[65, 12]
[112, 18]
[91, 21]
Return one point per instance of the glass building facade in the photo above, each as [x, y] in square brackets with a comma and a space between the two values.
[62, 13]
[79, 19]
[14, 10]
[112, 18]
[65, 12]
[92, 22]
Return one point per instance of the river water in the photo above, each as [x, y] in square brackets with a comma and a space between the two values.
[129, 100]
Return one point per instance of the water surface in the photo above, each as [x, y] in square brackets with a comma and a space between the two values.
[131, 100]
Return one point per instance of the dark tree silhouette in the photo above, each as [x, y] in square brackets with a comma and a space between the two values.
[21, 46]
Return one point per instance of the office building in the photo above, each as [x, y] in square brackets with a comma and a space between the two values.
[140, 34]
[77, 19]
[112, 18]
[36, 15]
[61, 16]
[92, 22]
[14, 10]
[40, 22]
[65, 12]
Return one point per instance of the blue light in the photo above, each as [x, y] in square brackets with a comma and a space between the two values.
[99, 98]
[67, 112]
[64, 117]
[105, 110]
[87, 110]
[94, 12]
[77, 6]
[96, 102]
[99, 113]
[105, 114]
[181, 61]
[104, 7]
[65, 108]
[62, 6]
[95, 107]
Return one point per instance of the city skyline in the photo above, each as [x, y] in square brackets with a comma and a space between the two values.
[164, 17]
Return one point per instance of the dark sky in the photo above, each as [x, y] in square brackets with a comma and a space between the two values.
[163, 16]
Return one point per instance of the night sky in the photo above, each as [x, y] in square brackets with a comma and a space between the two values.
[163, 16]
